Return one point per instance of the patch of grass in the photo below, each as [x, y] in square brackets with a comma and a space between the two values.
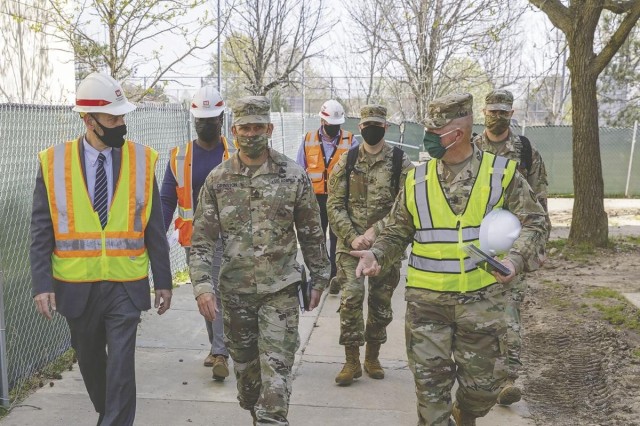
[604, 293]
[558, 244]
[636, 352]
[181, 277]
[620, 314]
[41, 378]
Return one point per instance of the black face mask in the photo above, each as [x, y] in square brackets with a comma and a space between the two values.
[372, 134]
[112, 136]
[332, 129]
[208, 130]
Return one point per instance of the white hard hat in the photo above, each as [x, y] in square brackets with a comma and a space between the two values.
[207, 102]
[498, 231]
[332, 112]
[100, 92]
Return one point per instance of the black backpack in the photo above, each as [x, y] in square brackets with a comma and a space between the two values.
[526, 155]
[352, 157]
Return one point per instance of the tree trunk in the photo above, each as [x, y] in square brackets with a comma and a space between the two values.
[589, 223]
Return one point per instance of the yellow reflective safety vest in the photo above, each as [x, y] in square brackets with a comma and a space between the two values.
[181, 166]
[84, 252]
[317, 170]
[437, 261]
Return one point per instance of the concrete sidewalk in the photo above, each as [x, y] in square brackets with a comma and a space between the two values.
[174, 388]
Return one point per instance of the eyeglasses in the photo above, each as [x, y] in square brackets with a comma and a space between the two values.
[498, 113]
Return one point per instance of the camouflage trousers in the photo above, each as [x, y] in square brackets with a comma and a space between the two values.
[261, 333]
[517, 290]
[380, 314]
[463, 342]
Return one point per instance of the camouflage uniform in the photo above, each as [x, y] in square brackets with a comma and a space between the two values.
[470, 326]
[536, 176]
[370, 200]
[255, 212]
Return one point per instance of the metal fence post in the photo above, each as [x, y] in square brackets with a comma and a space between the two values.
[4, 382]
[633, 144]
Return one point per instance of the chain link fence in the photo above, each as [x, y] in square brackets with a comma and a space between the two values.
[32, 342]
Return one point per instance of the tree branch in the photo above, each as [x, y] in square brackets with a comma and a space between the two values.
[557, 13]
[617, 39]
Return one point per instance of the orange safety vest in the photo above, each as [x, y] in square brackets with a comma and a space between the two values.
[181, 162]
[83, 251]
[314, 152]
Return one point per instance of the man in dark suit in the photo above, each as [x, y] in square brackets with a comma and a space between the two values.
[96, 226]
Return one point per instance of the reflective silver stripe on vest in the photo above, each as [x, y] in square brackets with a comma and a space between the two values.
[420, 195]
[313, 141]
[59, 187]
[499, 165]
[446, 235]
[185, 214]
[75, 245]
[446, 266]
[316, 175]
[180, 156]
[141, 183]
[124, 243]
[96, 244]
[344, 142]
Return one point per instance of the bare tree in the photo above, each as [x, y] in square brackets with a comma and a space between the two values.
[25, 70]
[272, 38]
[132, 27]
[419, 37]
[579, 21]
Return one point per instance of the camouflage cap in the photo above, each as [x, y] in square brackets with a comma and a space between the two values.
[499, 100]
[446, 108]
[251, 109]
[373, 113]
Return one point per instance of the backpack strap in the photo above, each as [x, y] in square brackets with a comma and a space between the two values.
[526, 155]
[352, 157]
[398, 155]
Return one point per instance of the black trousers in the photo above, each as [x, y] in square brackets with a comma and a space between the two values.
[109, 322]
[333, 240]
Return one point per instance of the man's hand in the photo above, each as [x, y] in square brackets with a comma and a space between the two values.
[207, 306]
[360, 243]
[501, 278]
[46, 304]
[370, 235]
[163, 300]
[367, 265]
[315, 299]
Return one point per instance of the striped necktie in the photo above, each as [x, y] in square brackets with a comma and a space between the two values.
[100, 193]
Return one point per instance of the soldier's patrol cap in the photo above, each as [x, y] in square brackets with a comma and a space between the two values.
[376, 113]
[446, 108]
[499, 100]
[251, 110]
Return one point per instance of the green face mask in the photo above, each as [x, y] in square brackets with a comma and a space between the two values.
[253, 146]
[496, 125]
[433, 145]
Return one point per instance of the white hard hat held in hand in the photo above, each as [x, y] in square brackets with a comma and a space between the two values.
[498, 231]
[332, 112]
[207, 102]
[100, 92]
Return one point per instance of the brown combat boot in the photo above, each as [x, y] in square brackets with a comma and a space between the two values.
[509, 394]
[461, 417]
[208, 361]
[220, 368]
[371, 363]
[351, 369]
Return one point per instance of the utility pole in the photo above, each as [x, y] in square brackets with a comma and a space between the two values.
[219, 53]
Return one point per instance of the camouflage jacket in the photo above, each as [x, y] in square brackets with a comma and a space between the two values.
[527, 252]
[255, 216]
[371, 195]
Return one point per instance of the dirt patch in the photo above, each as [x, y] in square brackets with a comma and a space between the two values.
[581, 338]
